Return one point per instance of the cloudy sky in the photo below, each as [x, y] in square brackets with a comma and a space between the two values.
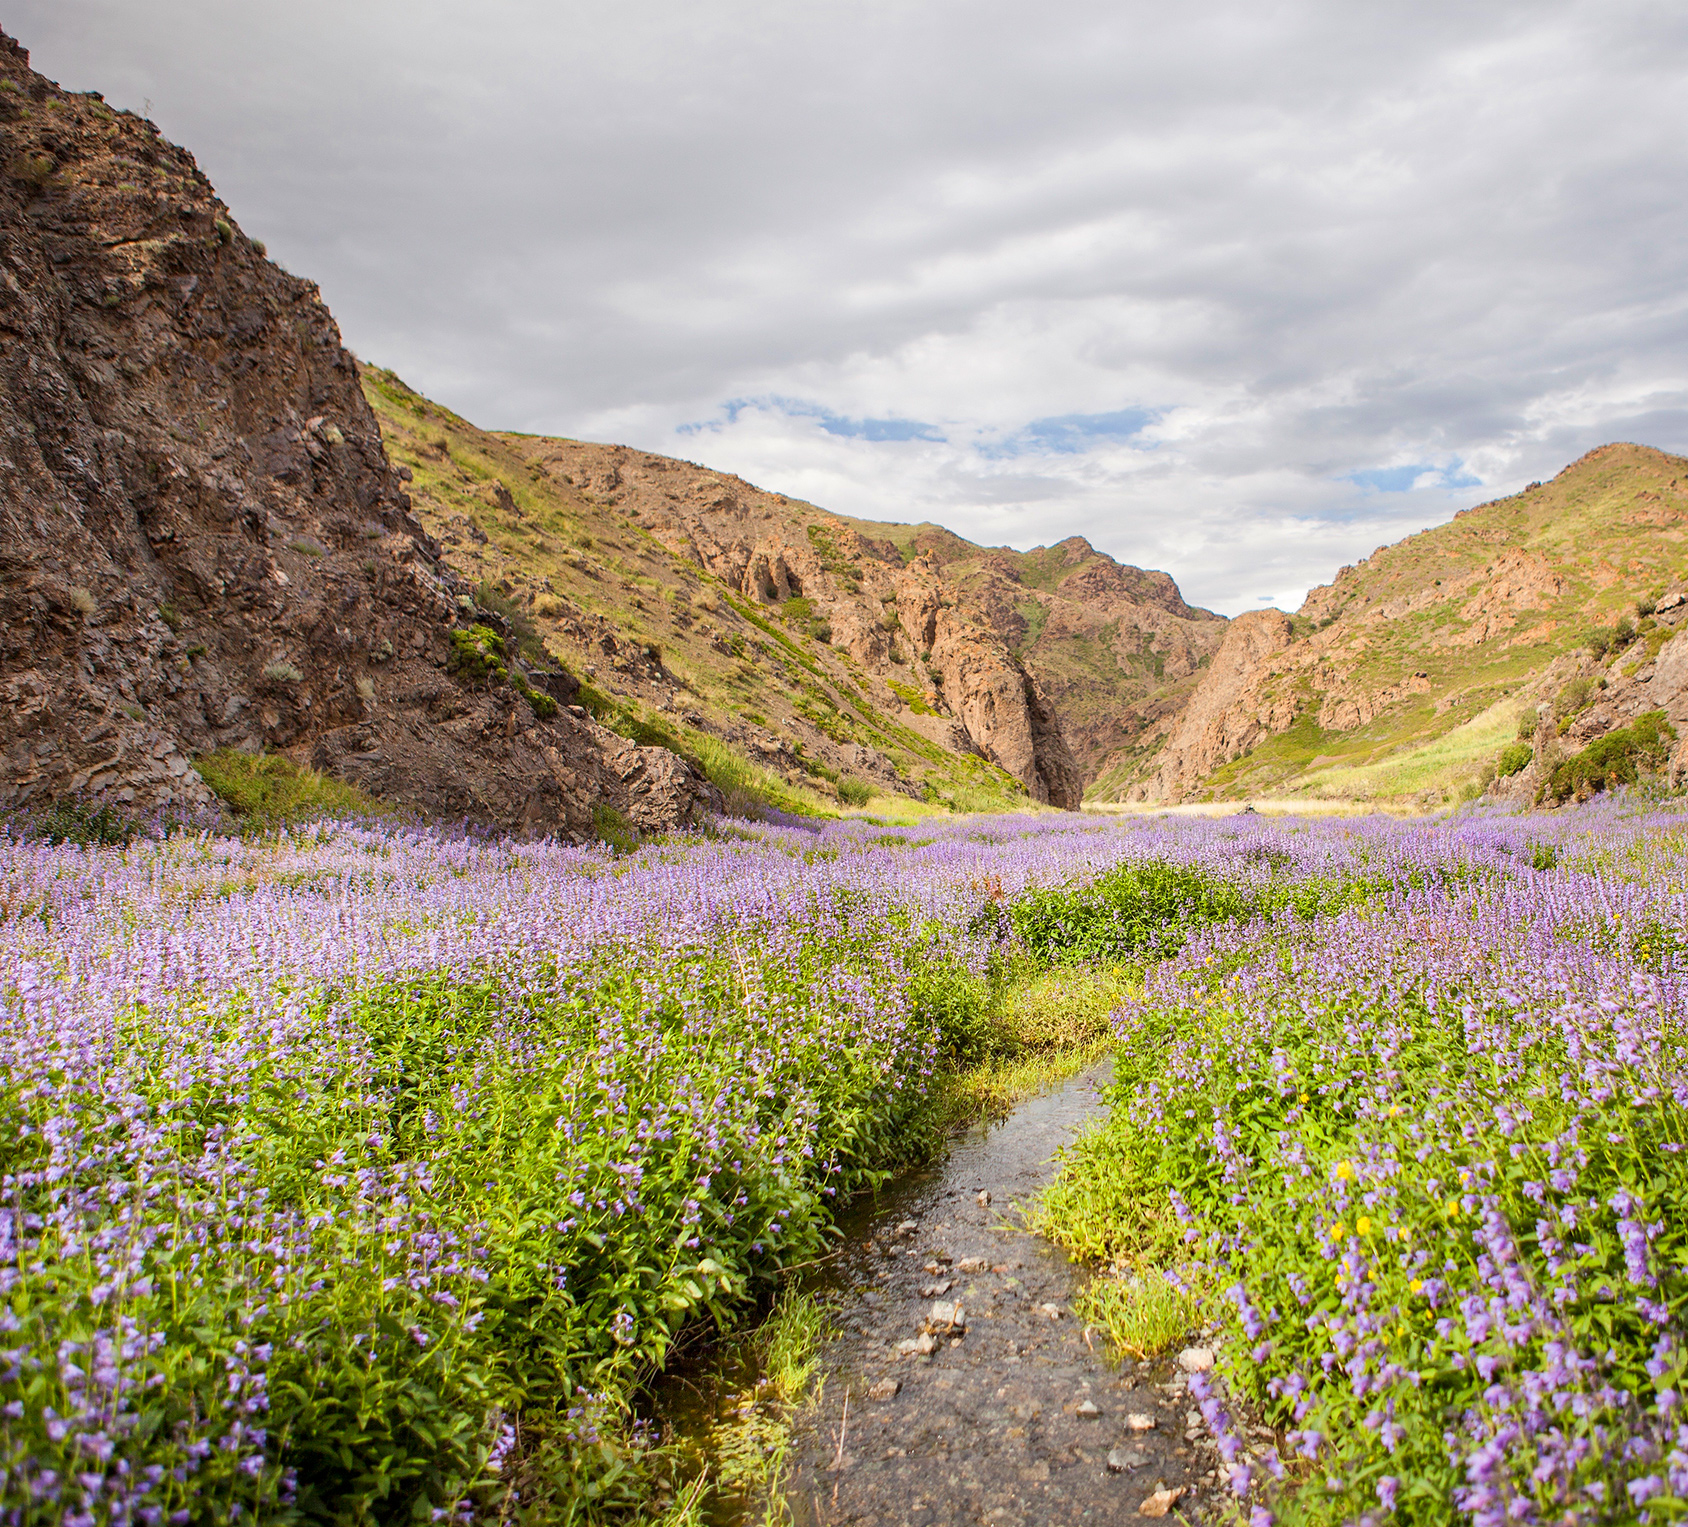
[1238, 290]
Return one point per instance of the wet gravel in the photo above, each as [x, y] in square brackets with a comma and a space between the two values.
[1014, 1414]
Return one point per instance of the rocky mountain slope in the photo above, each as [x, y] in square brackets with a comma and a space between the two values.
[1114, 647]
[1411, 669]
[202, 543]
[832, 653]
[718, 617]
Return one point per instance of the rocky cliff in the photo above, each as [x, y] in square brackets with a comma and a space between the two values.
[893, 619]
[1115, 648]
[202, 543]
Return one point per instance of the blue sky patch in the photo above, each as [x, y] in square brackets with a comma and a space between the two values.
[832, 423]
[1401, 479]
[1069, 434]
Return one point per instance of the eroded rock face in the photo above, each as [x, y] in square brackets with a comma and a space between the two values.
[202, 543]
[910, 624]
[1231, 711]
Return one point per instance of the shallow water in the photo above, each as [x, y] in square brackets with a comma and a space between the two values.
[987, 1427]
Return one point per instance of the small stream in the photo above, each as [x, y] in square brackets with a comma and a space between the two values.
[1009, 1412]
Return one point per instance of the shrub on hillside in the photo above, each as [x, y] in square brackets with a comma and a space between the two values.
[1615, 759]
[1514, 758]
[1572, 698]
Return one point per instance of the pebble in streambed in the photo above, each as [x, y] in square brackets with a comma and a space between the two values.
[973, 1393]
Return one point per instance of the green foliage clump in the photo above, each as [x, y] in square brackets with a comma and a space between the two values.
[1148, 908]
[800, 612]
[854, 792]
[1573, 698]
[89, 823]
[956, 1003]
[268, 790]
[1615, 759]
[910, 697]
[477, 652]
[1514, 757]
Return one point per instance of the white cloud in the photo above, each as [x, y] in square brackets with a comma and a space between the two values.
[1328, 249]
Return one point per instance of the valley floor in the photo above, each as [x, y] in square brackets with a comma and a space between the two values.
[366, 1173]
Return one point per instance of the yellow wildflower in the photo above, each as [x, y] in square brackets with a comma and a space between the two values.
[1453, 1208]
[1362, 1226]
[1337, 1232]
[1344, 1172]
[1417, 1285]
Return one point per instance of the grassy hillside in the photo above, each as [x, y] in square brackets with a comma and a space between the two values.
[1404, 675]
[668, 654]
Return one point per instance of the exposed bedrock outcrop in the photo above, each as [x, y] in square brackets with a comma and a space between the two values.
[901, 620]
[202, 543]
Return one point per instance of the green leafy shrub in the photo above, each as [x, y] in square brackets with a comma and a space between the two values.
[1514, 757]
[1148, 908]
[955, 1002]
[1573, 698]
[1615, 759]
[477, 652]
[90, 823]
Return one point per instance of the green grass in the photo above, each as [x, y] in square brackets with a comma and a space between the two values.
[268, 790]
[1142, 1311]
[1442, 765]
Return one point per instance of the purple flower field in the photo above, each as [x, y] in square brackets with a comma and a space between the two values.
[1425, 1158]
[339, 1166]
